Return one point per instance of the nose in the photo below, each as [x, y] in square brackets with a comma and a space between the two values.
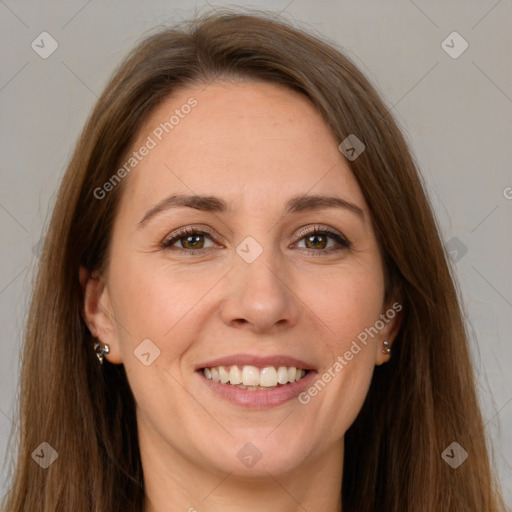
[260, 296]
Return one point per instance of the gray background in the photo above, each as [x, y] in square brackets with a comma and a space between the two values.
[456, 113]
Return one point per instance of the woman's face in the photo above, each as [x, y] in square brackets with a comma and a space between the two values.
[250, 287]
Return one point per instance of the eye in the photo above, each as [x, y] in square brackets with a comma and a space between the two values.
[316, 240]
[190, 238]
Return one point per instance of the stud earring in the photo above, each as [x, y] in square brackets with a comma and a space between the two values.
[387, 348]
[101, 350]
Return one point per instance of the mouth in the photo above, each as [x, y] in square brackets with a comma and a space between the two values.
[256, 382]
[253, 378]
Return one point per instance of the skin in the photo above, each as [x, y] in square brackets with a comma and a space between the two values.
[256, 145]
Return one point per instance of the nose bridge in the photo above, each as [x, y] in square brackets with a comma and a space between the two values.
[261, 265]
[259, 293]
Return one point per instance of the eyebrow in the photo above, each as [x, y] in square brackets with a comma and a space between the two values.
[296, 204]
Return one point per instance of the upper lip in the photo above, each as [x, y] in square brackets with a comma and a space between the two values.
[256, 360]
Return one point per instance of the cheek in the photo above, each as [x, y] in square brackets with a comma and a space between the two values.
[167, 303]
[348, 306]
[338, 392]
[155, 302]
[345, 304]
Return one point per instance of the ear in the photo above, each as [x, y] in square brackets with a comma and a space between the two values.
[97, 312]
[391, 317]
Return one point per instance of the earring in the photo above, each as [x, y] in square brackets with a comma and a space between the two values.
[387, 348]
[101, 350]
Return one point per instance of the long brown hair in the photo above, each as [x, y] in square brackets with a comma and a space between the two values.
[418, 404]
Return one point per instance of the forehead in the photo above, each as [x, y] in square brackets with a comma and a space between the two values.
[253, 140]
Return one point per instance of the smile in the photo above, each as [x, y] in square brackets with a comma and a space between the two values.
[253, 378]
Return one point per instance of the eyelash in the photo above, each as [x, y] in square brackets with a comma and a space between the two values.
[189, 231]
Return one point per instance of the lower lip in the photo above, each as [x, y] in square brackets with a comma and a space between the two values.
[259, 399]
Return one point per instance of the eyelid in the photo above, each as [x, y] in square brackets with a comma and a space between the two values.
[194, 228]
[308, 229]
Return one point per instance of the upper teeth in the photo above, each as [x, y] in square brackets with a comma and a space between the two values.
[267, 377]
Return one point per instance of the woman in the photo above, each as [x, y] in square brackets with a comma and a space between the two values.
[243, 301]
